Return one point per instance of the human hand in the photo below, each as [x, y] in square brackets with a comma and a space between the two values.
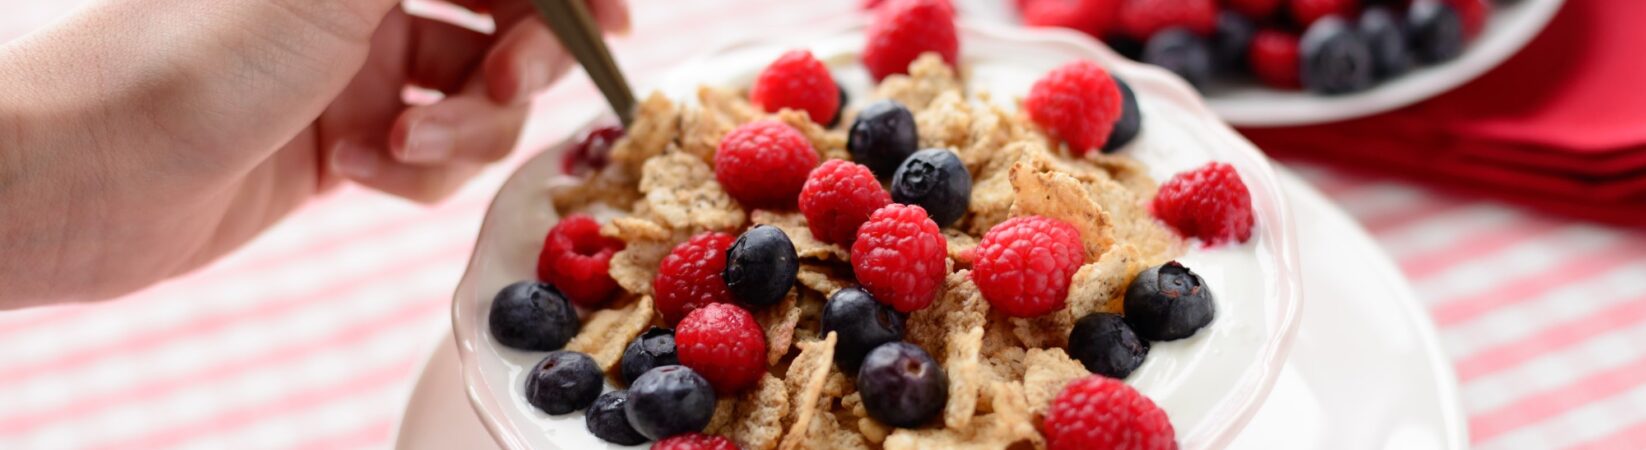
[142, 139]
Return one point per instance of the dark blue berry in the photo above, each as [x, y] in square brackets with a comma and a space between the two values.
[669, 400]
[1434, 30]
[1106, 345]
[607, 421]
[882, 136]
[1130, 122]
[563, 382]
[901, 385]
[937, 181]
[1387, 42]
[1335, 60]
[840, 111]
[652, 349]
[1168, 302]
[1182, 52]
[1232, 41]
[861, 324]
[1125, 45]
[532, 315]
[761, 266]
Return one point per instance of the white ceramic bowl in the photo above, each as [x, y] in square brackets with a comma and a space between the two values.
[1210, 391]
[1508, 29]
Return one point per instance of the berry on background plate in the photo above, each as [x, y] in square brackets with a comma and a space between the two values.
[1077, 103]
[900, 257]
[531, 315]
[838, 197]
[1336, 59]
[1091, 16]
[1168, 302]
[1182, 52]
[901, 385]
[1024, 265]
[669, 400]
[692, 276]
[796, 80]
[935, 180]
[1098, 412]
[1306, 12]
[564, 381]
[1434, 30]
[1385, 38]
[1274, 59]
[1141, 19]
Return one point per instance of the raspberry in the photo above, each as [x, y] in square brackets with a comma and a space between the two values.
[871, 5]
[1306, 12]
[1210, 203]
[1141, 19]
[1256, 10]
[903, 29]
[899, 257]
[592, 152]
[723, 343]
[1024, 265]
[695, 441]
[1274, 59]
[763, 163]
[689, 277]
[838, 197]
[575, 259]
[797, 81]
[1102, 412]
[1090, 16]
[1473, 13]
[1077, 103]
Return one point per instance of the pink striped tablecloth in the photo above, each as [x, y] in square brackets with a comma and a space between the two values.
[311, 337]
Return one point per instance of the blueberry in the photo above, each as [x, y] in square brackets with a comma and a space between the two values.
[1106, 345]
[669, 400]
[860, 323]
[563, 382]
[882, 135]
[1168, 302]
[1335, 60]
[936, 180]
[1180, 51]
[1130, 123]
[1233, 39]
[532, 315]
[901, 385]
[1126, 46]
[1434, 30]
[1387, 42]
[651, 349]
[760, 266]
[607, 421]
[839, 111]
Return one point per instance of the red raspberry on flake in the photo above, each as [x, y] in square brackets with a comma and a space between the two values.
[1274, 59]
[1210, 203]
[575, 259]
[901, 30]
[724, 344]
[797, 81]
[1101, 412]
[900, 257]
[690, 276]
[838, 197]
[694, 441]
[1077, 103]
[763, 164]
[1024, 265]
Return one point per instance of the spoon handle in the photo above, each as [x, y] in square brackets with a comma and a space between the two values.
[572, 23]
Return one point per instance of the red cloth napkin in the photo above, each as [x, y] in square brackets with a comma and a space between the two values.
[1560, 126]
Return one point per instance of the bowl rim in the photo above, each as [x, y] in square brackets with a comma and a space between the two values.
[1256, 383]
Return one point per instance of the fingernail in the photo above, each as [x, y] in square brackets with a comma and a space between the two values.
[534, 72]
[354, 161]
[429, 141]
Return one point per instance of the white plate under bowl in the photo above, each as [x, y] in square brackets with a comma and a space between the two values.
[1209, 384]
[1366, 372]
[1508, 29]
